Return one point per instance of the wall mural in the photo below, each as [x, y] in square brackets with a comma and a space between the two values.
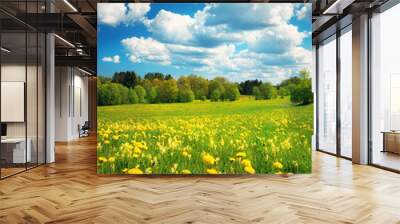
[198, 88]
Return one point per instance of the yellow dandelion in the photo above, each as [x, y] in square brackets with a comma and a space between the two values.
[232, 159]
[111, 159]
[249, 169]
[186, 172]
[135, 171]
[102, 159]
[277, 165]
[212, 171]
[116, 137]
[246, 162]
[137, 150]
[208, 159]
[106, 142]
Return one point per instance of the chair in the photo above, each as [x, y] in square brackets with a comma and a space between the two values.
[84, 130]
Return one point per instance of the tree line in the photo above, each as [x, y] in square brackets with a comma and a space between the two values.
[130, 88]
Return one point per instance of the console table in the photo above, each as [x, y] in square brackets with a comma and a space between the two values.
[13, 150]
[391, 141]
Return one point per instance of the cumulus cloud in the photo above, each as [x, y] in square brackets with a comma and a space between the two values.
[114, 14]
[171, 27]
[277, 39]
[241, 41]
[145, 50]
[113, 59]
[183, 29]
[247, 16]
[303, 12]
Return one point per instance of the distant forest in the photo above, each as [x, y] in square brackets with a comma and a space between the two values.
[130, 88]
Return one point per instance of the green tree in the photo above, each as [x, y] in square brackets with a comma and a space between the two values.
[154, 75]
[284, 91]
[302, 92]
[185, 95]
[257, 93]
[246, 87]
[268, 91]
[129, 78]
[168, 91]
[231, 92]
[151, 95]
[199, 86]
[214, 85]
[141, 93]
[133, 97]
[215, 95]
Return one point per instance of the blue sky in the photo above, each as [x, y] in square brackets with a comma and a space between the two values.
[240, 41]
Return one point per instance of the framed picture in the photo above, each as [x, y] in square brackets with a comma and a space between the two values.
[193, 88]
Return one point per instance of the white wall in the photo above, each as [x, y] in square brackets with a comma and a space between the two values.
[71, 94]
[314, 90]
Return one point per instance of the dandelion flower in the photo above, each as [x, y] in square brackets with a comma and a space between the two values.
[212, 171]
[249, 169]
[208, 159]
[106, 142]
[277, 165]
[135, 171]
[102, 159]
[246, 162]
[186, 172]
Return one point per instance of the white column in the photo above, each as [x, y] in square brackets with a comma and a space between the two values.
[360, 90]
[314, 90]
[50, 101]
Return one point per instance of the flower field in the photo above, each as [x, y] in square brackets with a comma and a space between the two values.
[240, 137]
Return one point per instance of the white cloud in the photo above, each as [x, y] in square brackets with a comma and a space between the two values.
[277, 39]
[114, 14]
[146, 49]
[304, 12]
[244, 41]
[247, 16]
[113, 59]
[171, 27]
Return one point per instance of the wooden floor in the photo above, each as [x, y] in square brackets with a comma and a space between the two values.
[69, 191]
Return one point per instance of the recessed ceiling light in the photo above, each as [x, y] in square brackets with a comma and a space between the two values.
[5, 50]
[86, 72]
[70, 5]
[64, 40]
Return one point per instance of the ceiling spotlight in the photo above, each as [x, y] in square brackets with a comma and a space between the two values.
[5, 50]
[70, 5]
[84, 71]
[65, 41]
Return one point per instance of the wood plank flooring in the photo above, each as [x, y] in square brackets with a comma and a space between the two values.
[70, 191]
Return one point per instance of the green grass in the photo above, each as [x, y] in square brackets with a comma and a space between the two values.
[203, 137]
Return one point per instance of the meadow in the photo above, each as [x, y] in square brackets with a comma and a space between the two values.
[202, 137]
